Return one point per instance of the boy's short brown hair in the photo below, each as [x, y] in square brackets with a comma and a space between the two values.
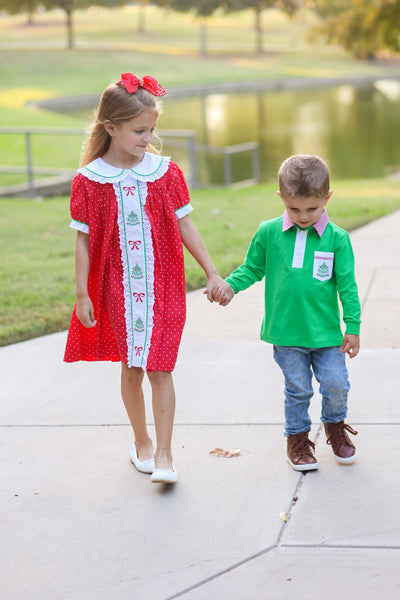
[304, 175]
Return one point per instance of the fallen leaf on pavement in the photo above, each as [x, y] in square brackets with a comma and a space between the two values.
[284, 516]
[225, 453]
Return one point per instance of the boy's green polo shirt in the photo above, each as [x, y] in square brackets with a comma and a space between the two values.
[304, 273]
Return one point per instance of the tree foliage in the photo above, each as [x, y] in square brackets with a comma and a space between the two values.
[16, 7]
[361, 26]
[202, 8]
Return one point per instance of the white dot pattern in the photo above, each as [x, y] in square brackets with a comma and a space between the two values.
[95, 204]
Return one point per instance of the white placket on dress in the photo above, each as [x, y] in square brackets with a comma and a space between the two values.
[138, 268]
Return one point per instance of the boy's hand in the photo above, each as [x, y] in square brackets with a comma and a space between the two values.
[351, 344]
[223, 293]
[212, 282]
[85, 312]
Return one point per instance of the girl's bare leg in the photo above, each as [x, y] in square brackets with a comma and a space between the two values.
[132, 395]
[164, 411]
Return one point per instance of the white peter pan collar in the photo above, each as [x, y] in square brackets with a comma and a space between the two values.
[151, 168]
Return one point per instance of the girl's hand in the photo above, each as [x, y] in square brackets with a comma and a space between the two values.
[85, 312]
[222, 293]
[351, 344]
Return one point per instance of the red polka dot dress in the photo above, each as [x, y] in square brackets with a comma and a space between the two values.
[136, 278]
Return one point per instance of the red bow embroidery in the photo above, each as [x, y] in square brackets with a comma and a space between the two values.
[139, 296]
[134, 244]
[129, 190]
[131, 84]
[138, 350]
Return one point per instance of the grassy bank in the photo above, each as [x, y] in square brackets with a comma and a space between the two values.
[37, 247]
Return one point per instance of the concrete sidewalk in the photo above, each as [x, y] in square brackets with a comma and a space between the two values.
[79, 522]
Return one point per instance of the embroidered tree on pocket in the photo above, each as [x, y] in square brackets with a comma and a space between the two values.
[323, 271]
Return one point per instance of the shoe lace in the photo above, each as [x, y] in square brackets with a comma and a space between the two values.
[303, 445]
[339, 435]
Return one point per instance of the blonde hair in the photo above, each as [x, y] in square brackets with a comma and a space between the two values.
[116, 105]
[304, 175]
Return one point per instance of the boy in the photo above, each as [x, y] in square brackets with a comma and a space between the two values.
[307, 261]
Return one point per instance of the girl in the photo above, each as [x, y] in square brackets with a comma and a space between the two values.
[131, 212]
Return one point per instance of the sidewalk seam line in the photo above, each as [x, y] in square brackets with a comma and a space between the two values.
[220, 573]
[341, 547]
[278, 544]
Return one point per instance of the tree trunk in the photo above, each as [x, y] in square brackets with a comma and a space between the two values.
[141, 18]
[203, 37]
[258, 29]
[70, 32]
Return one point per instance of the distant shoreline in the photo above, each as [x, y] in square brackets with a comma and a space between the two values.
[229, 87]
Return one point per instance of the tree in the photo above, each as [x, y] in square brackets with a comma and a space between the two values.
[361, 26]
[287, 6]
[16, 7]
[205, 8]
[141, 6]
[390, 24]
[68, 6]
[202, 9]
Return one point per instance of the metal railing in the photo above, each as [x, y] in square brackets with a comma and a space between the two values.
[176, 138]
[29, 169]
[228, 152]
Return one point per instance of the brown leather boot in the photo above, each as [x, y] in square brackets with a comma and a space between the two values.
[300, 453]
[342, 447]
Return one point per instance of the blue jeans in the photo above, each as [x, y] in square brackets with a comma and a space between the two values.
[329, 367]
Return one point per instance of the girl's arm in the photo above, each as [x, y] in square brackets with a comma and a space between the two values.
[193, 241]
[84, 306]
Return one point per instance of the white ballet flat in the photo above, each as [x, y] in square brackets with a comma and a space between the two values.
[165, 475]
[144, 466]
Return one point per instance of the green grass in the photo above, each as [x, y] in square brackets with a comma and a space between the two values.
[37, 247]
[36, 276]
[164, 29]
[108, 44]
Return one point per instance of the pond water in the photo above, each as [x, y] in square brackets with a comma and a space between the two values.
[356, 129]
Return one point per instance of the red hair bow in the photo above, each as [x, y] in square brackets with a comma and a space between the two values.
[131, 84]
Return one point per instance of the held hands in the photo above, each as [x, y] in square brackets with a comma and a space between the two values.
[85, 312]
[219, 291]
[351, 344]
[223, 293]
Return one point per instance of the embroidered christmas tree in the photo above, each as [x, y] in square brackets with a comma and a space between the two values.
[132, 218]
[139, 325]
[137, 272]
[323, 270]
